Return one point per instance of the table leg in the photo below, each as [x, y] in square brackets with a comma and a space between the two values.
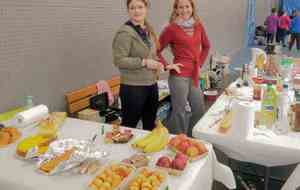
[267, 177]
[229, 163]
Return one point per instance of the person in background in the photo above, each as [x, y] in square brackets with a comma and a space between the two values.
[134, 53]
[271, 23]
[283, 28]
[189, 43]
[293, 14]
[295, 31]
[279, 14]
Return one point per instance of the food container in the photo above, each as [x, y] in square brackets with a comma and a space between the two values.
[296, 117]
[199, 146]
[257, 92]
[112, 176]
[168, 164]
[141, 180]
[63, 155]
[211, 95]
[138, 160]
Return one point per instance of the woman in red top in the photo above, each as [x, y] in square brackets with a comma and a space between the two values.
[283, 28]
[188, 41]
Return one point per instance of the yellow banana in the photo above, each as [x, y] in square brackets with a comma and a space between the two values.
[226, 121]
[142, 142]
[159, 143]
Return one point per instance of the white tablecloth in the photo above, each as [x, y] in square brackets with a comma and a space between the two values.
[293, 181]
[270, 150]
[21, 175]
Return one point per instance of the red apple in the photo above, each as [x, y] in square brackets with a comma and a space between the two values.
[164, 161]
[183, 146]
[180, 155]
[178, 164]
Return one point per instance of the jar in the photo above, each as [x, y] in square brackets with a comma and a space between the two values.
[296, 118]
[29, 102]
[257, 89]
[257, 92]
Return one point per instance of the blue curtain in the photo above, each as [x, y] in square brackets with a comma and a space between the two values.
[250, 23]
[290, 5]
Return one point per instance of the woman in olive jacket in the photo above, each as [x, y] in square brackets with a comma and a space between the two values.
[134, 53]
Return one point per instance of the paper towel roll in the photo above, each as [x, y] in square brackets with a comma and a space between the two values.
[32, 115]
[243, 119]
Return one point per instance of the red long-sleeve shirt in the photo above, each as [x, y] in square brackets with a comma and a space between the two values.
[190, 51]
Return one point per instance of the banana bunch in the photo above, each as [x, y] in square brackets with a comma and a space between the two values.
[154, 141]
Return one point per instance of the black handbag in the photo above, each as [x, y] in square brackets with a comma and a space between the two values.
[100, 102]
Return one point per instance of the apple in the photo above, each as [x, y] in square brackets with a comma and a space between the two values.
[178, 164]
[183, 146]
[180, 155]
[174, 142]
[164, 161]
[192, 151]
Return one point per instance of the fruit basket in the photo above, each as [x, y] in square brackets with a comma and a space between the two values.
[194, 149]
[174, 166]
[138, 160]
[146, 178]
[113, 176]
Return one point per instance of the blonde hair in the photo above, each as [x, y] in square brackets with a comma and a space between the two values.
[174, 14]
[147, 24]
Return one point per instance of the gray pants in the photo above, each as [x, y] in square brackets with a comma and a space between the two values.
[182, 92]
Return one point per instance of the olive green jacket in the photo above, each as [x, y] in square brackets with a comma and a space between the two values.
[129, 50]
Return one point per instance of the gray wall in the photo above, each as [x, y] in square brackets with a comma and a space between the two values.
[48, 48]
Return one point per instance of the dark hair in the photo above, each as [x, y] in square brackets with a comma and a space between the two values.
[147, 24]
[273, 10]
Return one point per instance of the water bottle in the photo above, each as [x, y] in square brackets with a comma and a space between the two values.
[282, 125]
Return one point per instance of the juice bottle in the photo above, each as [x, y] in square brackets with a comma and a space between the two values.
[269, 107]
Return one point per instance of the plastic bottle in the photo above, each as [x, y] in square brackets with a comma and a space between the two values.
[282, 125]
[29, 102]
[269, 107]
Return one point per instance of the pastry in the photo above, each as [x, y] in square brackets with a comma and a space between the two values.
[8, 135]
[118, 136]
[137, 160]
[52, 164]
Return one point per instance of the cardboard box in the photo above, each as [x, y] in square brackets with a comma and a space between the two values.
[90, 115]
